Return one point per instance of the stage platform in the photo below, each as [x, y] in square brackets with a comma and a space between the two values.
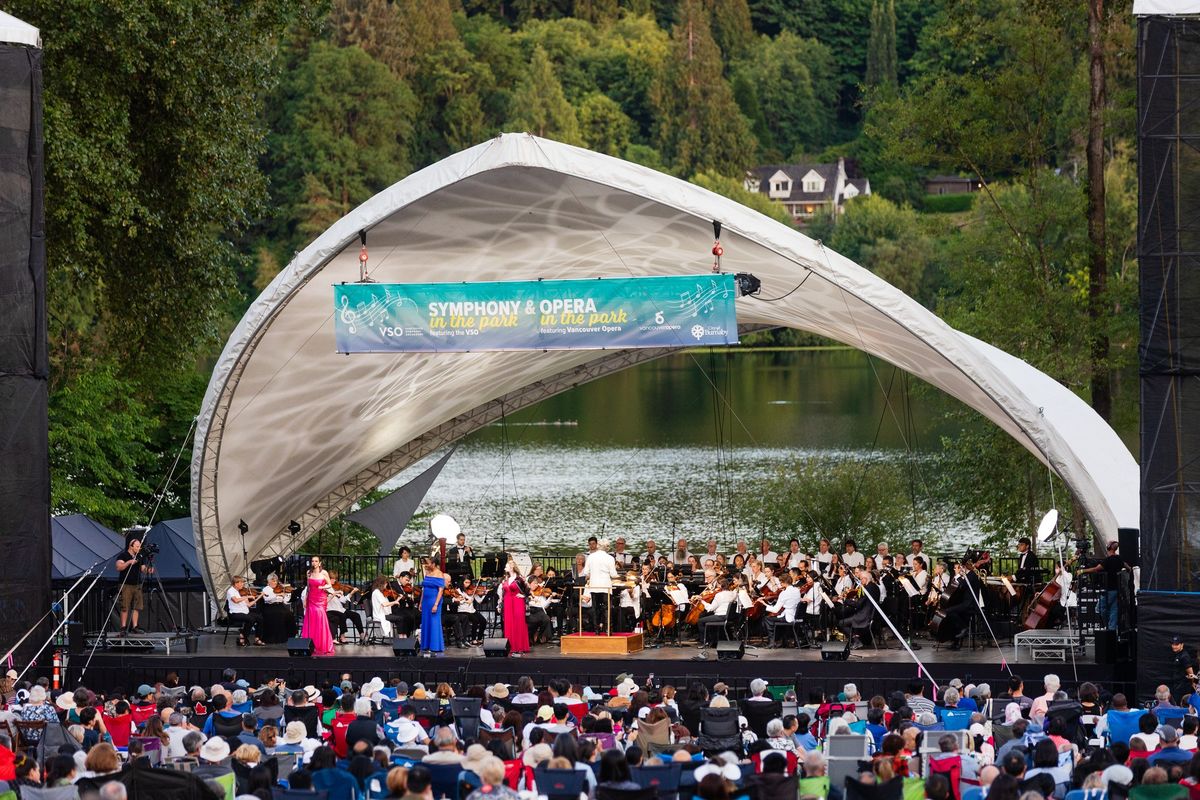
[873, 670]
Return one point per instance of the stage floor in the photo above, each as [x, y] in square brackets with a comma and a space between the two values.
[872, 669]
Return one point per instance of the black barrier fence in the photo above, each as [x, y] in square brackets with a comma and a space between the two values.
[1168, 251]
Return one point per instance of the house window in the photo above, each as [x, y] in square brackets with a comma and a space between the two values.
[783, 186]
[812, 186]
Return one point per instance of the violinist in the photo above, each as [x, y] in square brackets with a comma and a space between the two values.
[623, 557]
[279, 621]
[966, 607]
[717, 611]
[469, 623]
[382, 600]
[783, 610]
[339, 612]
[536, 611]
[768, 582]
[844, 582]
[405, 614]
[239, 601]
[556, 609]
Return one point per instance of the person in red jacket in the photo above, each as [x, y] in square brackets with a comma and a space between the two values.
[8, 759]
[340, 724]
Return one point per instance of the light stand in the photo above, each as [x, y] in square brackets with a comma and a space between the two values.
[1048, 529]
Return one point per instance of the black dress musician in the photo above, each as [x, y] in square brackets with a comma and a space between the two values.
[859, 611]
[966, 605]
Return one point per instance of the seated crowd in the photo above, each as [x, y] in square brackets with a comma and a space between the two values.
[563, 741]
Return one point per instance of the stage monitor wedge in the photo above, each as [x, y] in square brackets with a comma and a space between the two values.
[835, 651]
[300, 646]
[730, 650]
[496, 648]
[404, 647]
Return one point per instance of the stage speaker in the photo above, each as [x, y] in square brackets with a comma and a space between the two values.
[730, 650]
[1106, 646]
[496, 648]
[405, 647]
[299, 646]
[1130, 546]
[835, 651]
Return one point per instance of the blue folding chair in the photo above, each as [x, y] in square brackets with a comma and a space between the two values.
[445, 780]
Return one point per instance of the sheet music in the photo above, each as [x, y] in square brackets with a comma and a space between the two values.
[908, 586]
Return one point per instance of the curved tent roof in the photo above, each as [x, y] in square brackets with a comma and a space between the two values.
[78, 542]
[289, 429]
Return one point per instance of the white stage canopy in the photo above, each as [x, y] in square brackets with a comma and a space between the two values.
[289, 429]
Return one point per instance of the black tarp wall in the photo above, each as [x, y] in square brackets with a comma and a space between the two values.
[24, 470]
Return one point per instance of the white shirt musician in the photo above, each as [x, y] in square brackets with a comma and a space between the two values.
[766, 554]
[880, 554]
[852, 558]
[651, 555]
[404, 564]
[795, 555]
[271, 594]
[843, 584]
[919, 576]
[239, 607]
[600, 570]
[824, 559]
[812, 600]
[786, 603]
[680, 555]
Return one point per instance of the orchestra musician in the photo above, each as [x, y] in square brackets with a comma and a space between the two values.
[859, 610]
[620, 555]
[680, 556]
[557, 609]
[851, 557]
[458, 558]
[916, 547]
[339, 612]
[279, 621]
[651, 555]
[967, 608]
[239, 602]
[405, 613]
[1028, 572]
[600, 571]
[783, 610]
[381, 603]
[630, 604]
[765, 553]
[881, 552]
[536, 616]
[469, 623]
[794, 556]
[404, 563]
[716, 611]
[824, 559]
[740, 549]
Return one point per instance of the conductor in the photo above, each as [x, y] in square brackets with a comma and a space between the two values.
[600, 569]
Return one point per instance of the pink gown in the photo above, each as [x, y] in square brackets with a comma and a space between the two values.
[515, 628]
[316, 623]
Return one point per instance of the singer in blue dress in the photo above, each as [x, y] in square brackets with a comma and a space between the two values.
[433, 586]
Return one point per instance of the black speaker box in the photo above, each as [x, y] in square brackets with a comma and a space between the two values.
[75, 641]
[1106, 646]
[496, 648]
[1130, 546]
[835, 651]
[405, 647]
[299, 646]
[730, 650]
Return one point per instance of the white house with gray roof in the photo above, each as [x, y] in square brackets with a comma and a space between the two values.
[807, 190]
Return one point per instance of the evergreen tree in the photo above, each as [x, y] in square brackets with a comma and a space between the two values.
[881, 49]
[606, 128]
[731, 28]
[699, 125]
[539, 105]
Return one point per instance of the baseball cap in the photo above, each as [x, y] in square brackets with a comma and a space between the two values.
[1177, 639]
[144, 690]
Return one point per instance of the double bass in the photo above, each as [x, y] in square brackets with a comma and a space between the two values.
[1038, 616]
[941, 627]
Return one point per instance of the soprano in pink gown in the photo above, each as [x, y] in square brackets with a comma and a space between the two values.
[316, 623]
[514, 617]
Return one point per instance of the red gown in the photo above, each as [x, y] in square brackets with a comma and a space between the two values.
[515, 629]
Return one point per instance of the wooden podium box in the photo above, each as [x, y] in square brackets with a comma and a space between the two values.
[589, 644]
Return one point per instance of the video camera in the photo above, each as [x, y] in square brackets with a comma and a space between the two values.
[147, 553]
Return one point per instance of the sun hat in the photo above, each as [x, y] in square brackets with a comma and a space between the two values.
[215, 749]
[66, 701]
[1118, 773]
[537, 754]
[373, 686]
[474, 758]
[295, 732]
[498, 691]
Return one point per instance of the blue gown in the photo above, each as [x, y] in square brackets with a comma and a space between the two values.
[431, 623]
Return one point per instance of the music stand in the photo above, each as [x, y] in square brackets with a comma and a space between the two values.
[658, 598]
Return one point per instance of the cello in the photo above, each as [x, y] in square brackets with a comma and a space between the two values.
[1038, 616]
[697, 610]
[941, 627]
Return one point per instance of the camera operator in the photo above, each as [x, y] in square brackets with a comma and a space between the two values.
[132, 565]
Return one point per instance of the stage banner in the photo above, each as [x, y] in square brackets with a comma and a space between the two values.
[599, 314]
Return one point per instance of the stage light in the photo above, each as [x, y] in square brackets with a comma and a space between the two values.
[444, 527]
[1048, 526]
[747, 283]
[293, 527]
[835, 651]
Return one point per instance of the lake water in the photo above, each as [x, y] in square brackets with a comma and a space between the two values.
[653, 450]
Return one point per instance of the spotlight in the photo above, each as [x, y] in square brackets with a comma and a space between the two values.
[243, 528]
[747, 283]
[293, 527]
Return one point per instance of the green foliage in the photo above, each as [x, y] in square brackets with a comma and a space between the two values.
[788, 89]
[605, 127]
[867, 500]
[948, 203]
[884, 238]
[343, 136]
[881, 48]
[735, 190]
[731, 27]
[539, 105]
[699, 125]
[100, 456]
[152, 143]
